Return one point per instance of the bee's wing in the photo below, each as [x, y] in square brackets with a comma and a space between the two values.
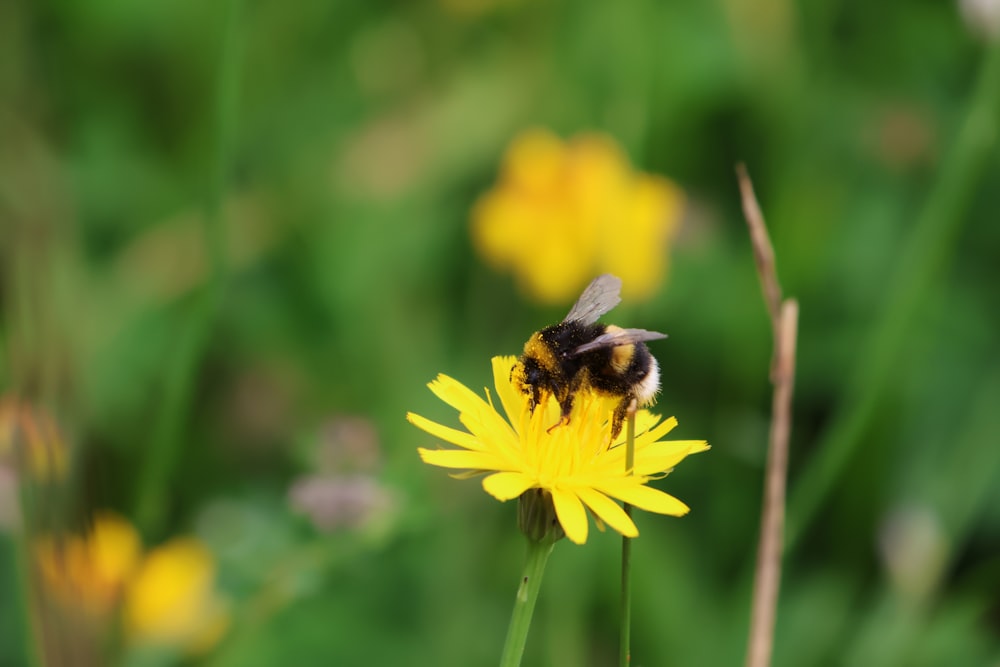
[619, 337]
[600, 296]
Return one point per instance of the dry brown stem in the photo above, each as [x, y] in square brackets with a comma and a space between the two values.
[763, 251]
[784, 324]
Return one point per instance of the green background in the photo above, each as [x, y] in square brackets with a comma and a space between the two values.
[225, 224]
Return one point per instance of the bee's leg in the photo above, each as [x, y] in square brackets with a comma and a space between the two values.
[566, 406]
[618, 418]
[532, 390]
[535, 396]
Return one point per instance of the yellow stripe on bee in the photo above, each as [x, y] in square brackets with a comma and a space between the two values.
[536, 349]
[621, 355]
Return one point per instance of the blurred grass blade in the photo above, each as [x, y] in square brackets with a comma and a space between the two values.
[972, 465]
[929, 248]
[179, 383]
[897, 625]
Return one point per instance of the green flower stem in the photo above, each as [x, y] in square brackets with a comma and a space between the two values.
[26, 625]
[524, 603]
[929, 247]
[624, 648]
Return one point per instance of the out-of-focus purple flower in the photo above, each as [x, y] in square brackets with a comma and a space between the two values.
[334, 502]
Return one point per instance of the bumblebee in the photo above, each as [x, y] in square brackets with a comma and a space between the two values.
[581, 354]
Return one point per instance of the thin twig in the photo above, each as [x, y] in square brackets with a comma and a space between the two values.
[763, 251]
[784, 323]
[767, 578]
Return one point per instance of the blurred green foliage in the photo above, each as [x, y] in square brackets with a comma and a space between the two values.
[200, 381]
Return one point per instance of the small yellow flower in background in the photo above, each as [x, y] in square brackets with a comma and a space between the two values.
[93, 570]
[562, 212]
[172, 599]
[166, 597]
[30, 440]
[575, 463]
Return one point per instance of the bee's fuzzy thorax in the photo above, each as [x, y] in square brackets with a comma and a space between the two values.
[536, 348]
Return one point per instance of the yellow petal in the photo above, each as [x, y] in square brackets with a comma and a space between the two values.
[697, 446]
[454, 436]
[507, 485]
[113, 549]
[615, 459]
[572, 516]
[665, 455]
[457, 395]
[467, 474]
[490, 427]
[509, 397]
[497, 437]
[475, 413]
[646, 421]
[460, 458]
[664, 427]
[645, 498]
[535, 160]
[608, 511]
[170, 598]
[648, 428]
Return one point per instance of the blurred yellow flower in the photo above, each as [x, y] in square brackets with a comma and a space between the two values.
[166, 597]
[562, 212]
[31, 441]
[577, 464]
[8, 424]
[172, 599]
[91, 571]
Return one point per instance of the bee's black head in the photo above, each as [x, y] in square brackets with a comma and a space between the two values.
[534, 374]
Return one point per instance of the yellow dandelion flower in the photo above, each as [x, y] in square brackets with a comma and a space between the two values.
[575, 464]
[562, 211]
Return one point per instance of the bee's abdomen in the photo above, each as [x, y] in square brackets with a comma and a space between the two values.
[627, 370]
[647, 388]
